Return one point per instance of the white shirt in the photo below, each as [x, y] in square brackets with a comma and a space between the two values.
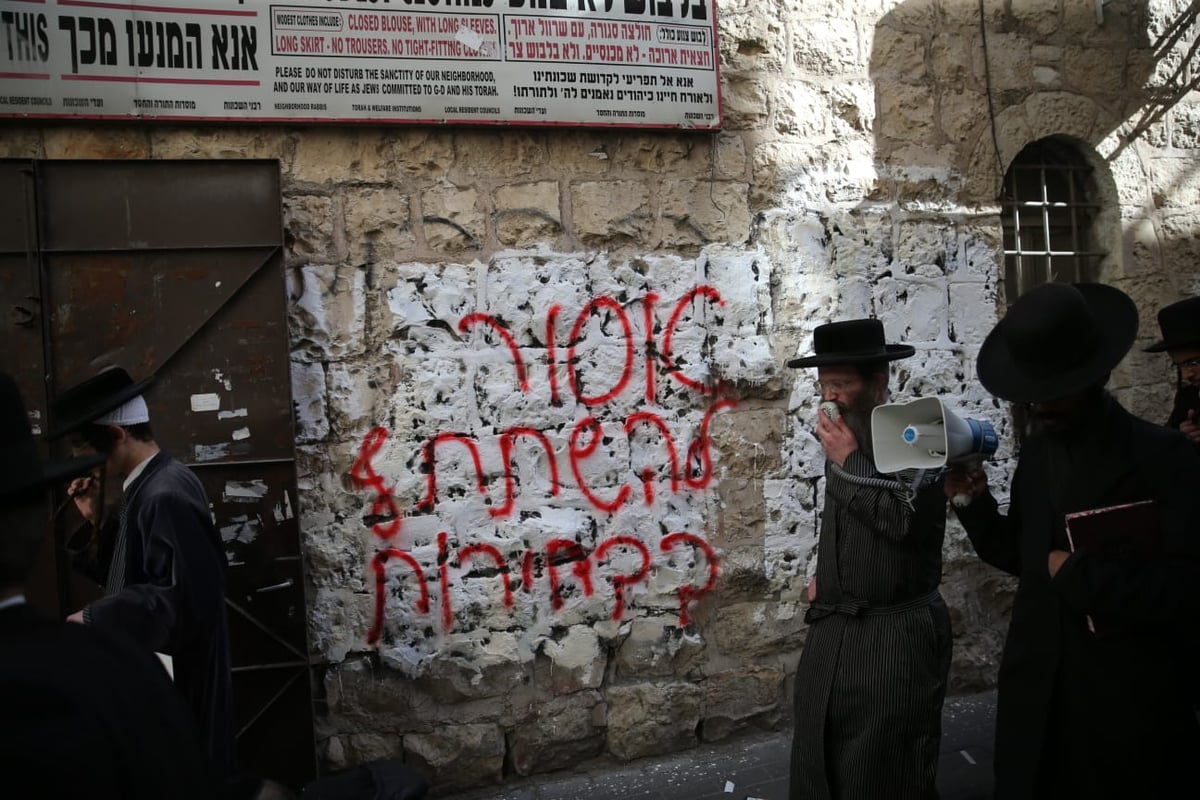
[15, 600]
[134, 473]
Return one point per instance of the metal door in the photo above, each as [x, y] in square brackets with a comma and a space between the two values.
[175, 268]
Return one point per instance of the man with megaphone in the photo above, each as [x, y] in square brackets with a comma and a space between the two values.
[1098, 670]
[872, 676]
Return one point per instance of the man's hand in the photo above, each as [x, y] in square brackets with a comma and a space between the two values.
[1189, 428]
[76, 617]
[1057, 558]
[812, 591]
[961, 480]
[837, 439]
[85, 492]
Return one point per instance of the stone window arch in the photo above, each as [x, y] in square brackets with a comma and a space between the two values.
[1053, 215]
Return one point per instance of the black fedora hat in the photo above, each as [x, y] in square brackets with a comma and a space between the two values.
[1180, 326]
[1057, 339]
[87, 401]
[855, 341]
[22, 469]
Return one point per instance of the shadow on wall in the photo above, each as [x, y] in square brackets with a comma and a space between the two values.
[946, 72]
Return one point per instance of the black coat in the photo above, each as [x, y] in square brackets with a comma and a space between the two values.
[86, 715]
[1092, 716]
[172, 597]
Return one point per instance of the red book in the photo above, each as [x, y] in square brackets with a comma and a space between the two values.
[1128, 530]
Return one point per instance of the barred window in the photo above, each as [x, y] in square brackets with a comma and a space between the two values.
[1047, 211]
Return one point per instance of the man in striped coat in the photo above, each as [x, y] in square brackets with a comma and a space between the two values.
[872, 677]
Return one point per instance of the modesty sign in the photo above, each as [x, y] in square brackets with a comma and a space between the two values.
[636, 63]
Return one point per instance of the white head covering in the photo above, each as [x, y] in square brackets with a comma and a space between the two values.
[132, 412]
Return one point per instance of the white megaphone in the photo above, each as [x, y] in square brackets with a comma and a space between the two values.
[922, 434]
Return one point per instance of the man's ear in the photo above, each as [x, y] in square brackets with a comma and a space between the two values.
[880, 384]
[117, 436]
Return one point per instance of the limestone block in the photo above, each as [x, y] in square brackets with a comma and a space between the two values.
[308, 400]
[699, 212]
[326, 313]
[800, 110]
[358, 397]
[735, 696]
[338, 622]
[852, 104]
[576, 660]
[454, 218]
[574, 152]
[980, 600]
[563, 733]
[827, 46]
[963, 116]
[748, 440]
[951, 58]
[972, 312]
[1038, 17]
[752, 41]
[650, 719]
[678, 157]
[378, 224]
[1185, 126]
[309, 225]
[898, 56]
[906, 112]
[527, 213]
[744, 100]
[611, 213]
[808, 176]
[1048, 77]
[1062, 113]
[731, 156]
[915, 14]
[790, 534]
[362, 696]
[500, 153]
[328, 156]
[743, 530]
[458, 756]
[21, 142]
[346, 750]
[223, 143]
[106, 142]
[424, 152]
[755, 628]
[1097, 71]
[913, 311]
[657, 647]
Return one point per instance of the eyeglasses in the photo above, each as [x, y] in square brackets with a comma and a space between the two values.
[1191, 363]
[834, 387]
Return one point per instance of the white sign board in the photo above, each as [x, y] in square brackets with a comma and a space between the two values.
[638, 63]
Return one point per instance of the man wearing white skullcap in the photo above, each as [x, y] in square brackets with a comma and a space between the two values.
[163, 568]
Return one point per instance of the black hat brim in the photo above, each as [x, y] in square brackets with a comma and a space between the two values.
[1166, 344]
[50, 473]
[97, 409]
[1003, 377]
[891, 352]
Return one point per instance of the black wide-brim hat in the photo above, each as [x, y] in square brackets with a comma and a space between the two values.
[85, 402]
[22, 469]
[1180, 326]
[855, 341]
[1056, 340]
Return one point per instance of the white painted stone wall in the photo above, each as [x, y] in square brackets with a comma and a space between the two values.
[571, 305]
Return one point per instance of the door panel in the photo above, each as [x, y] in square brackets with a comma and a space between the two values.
[176, 269]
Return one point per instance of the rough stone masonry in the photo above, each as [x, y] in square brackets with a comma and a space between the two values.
[558, 498]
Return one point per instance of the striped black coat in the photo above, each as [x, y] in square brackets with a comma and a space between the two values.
[870, 684]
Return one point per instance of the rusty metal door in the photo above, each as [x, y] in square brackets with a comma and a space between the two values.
[175, 268]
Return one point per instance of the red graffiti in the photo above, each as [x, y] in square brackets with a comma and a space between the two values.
[430, 466]
[551, 357]
[507, 442]
[578, 453]
[668, 356]
[621, 581]
[365, 476]
[699, 449]
[648, 322]
[379, 565]
[689, 594]
[577, 332]
[557, 555]
[648, 473]
[501, 331]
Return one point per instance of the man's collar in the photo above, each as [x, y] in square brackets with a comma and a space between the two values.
[14, 600]
[136, 472]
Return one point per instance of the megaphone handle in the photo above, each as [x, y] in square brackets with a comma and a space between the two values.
[961, 500]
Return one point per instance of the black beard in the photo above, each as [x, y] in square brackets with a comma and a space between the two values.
[858, 420]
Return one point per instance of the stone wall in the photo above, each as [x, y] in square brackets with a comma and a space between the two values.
[559, 497]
